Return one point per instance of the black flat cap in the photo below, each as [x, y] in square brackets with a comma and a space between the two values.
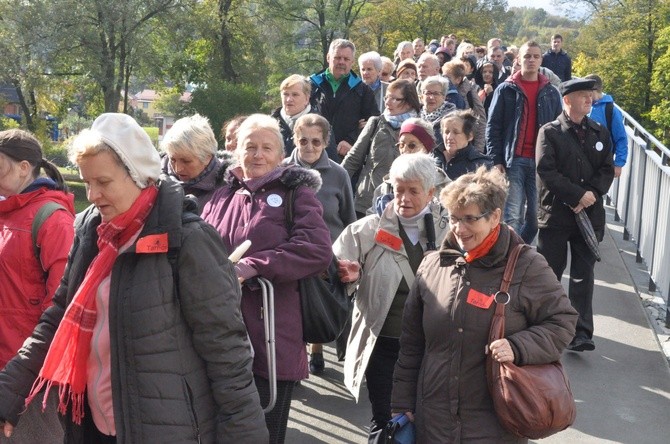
[576, 84]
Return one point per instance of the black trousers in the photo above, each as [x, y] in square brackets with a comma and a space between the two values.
[379, 378]
[553, 245]
[277, 419]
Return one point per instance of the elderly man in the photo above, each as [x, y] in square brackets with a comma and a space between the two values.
[497, 56]
[370, 66]
[419, 47]
[575, 170]
[558, 60]
[520, 106]
[342, 97]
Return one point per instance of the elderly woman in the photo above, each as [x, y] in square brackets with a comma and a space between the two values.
[455, 72]
[295, 91]
[387, 70]
[404, 51]
[380, 255]
[406, 70]
[191, 157]
[151, 344]
[375, 149]
[36, 232]
[335, 194]
[252, 206]
[370, 66]
[440, 375]
[434, 104]
[460, 155]
[416, 136]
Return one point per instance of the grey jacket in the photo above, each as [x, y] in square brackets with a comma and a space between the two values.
[373, 153]
[181, 359]
[335, 193]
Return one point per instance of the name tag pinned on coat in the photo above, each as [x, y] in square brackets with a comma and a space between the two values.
[383, 237]
[153, 243]
[479, 299]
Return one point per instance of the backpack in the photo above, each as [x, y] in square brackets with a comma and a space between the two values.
[41, 216]
[609, 111]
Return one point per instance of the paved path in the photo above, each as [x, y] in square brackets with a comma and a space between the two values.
[622, 388]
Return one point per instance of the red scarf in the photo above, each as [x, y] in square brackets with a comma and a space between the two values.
[482, 249]
[65, 363]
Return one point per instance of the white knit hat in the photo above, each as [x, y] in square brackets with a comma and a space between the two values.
[132, 144]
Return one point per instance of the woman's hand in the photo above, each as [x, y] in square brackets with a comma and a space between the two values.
[501, 350]
[409, 415]
[488, 89]
[348, 271]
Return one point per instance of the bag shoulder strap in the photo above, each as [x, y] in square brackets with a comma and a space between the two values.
[42, 215]
[498, 321]
[288, 209]
[509, 269]
[471, 101]
[173, 253]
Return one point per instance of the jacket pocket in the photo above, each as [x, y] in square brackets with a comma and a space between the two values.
[188, 393]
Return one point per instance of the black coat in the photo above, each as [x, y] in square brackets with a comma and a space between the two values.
[181, 359]
[567, 169]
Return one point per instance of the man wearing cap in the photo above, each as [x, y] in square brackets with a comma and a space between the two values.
[575, 170]
[343, 98]
[520, 106]
[605, 113]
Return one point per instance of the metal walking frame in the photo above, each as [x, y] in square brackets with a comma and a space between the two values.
[268, 313]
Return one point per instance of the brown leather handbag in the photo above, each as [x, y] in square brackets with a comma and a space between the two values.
[531, 401]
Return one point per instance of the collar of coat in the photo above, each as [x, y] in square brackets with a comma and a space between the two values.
[390, 223]
[451, 254]
[291, 176]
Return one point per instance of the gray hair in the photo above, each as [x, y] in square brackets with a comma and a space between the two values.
[193, 135]
[401, 45]
[257, 122]
[416, 166]
[436, 80]
[428, 56]
[372, 56]
[340, 44]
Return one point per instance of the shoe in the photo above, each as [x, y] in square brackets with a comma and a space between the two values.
[580, 344]
[316, 363]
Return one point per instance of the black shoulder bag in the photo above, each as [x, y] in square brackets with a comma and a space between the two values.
[323, 299]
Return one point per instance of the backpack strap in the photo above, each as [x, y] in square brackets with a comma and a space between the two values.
[42, 215]
[609, 112]
[173, 253]
[288, 208]
[471, 101]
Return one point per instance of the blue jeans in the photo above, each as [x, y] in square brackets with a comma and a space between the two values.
[522, 193]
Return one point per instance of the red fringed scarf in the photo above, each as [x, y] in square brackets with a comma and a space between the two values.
[65, 363]
[482, 249]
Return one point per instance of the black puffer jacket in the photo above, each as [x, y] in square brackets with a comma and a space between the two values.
[181, 360]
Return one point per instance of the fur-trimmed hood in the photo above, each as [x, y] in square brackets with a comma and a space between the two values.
[292, 176]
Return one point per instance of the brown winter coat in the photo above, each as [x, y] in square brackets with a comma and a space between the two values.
[441, 373]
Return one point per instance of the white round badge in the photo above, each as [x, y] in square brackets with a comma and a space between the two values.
[275, 200]
[599, 146]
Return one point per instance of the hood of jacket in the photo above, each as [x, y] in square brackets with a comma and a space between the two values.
[292, 176]
[606, 98]
[17, 201]
[515, 79]
[320, 77]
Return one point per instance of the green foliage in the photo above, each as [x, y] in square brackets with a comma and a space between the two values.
[56, 153]
[152, 132]
[7, 123]
[222, 100]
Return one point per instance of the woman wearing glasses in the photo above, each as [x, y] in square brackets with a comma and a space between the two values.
[440, 375]
[379, 255]
[459, 155]
[375, 149]
[434, 106]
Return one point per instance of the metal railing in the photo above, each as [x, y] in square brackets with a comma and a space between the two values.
[641, 200]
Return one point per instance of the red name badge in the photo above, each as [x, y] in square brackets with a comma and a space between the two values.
[478, 299]
[385, 238]
[154, 243]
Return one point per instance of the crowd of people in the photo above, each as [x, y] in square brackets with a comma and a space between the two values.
[419, 177]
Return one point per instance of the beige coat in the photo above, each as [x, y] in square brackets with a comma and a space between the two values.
[381, 274]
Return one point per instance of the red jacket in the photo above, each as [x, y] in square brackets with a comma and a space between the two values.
[24, 293]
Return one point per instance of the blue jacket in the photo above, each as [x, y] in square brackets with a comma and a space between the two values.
[559, 63]
[506, 116]
[618, 130]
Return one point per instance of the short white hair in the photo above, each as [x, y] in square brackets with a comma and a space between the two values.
[192, 134]
[415, 166]
[372, 56]
[255, 122]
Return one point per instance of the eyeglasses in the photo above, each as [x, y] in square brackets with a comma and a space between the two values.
[394, 99]
[316, 143]
[431, 93]
[467, 220]
[411, 145]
